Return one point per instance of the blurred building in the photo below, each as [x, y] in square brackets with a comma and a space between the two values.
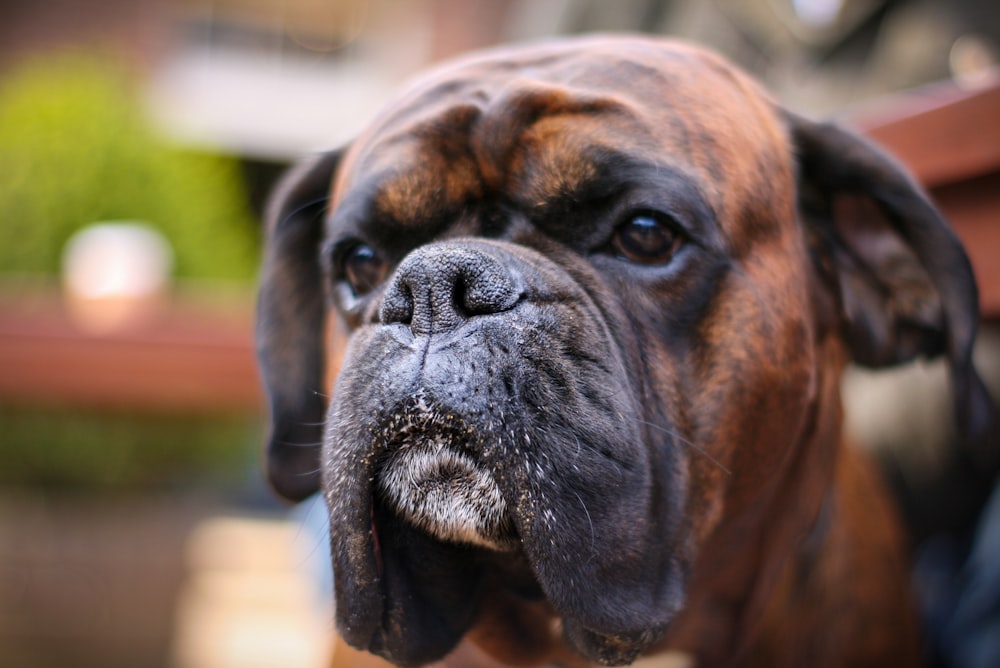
[273, 78]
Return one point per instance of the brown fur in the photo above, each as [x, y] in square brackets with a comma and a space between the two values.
[785, 542]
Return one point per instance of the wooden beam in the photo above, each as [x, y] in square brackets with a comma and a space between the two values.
[943, 133]
[949, 138]
[190, 360]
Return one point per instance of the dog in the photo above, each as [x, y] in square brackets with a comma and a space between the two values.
[599, 294]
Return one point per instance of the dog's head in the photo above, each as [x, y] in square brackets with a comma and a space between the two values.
[599, 295]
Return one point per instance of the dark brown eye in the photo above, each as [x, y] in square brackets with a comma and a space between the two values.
[363, 269]
[647, 238]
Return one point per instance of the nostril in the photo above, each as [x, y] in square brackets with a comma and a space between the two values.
[397, 304]
[437, 288]
[488, 289]
[459, 293]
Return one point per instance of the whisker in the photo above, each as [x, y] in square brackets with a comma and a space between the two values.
[305, 205]
[311, 444]
[309, 526]
[593, 535]
[683, 440]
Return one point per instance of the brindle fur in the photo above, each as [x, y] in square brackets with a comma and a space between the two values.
[666, 439]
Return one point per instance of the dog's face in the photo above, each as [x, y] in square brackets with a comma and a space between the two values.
[599, 296]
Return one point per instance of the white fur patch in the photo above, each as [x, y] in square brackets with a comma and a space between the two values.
[444, 493]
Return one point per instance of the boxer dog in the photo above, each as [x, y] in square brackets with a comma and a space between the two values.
[599, 293]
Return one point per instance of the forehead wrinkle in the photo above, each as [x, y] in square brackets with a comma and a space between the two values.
[513, 113]
[568, 161]
[410, 196]
[439, 174]
[559, 167]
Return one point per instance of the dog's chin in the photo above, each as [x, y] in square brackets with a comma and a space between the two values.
[444, 493]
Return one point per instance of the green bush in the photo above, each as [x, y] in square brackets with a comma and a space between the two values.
[76, 148]
[78, 449]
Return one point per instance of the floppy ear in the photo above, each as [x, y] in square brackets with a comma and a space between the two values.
[902, 280]
[291, 317]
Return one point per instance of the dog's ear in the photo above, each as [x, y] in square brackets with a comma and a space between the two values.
[290, 331]
[900, 277]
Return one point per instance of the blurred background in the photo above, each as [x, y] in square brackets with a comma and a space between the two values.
[138, 141]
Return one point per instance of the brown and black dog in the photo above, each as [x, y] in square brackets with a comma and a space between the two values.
[600, 293]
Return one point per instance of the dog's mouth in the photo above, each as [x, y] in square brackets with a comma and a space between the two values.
[431, 510]
[433, 485]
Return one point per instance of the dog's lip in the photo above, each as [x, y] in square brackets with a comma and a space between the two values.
[511, 567]
[377, 587]
[437, 484]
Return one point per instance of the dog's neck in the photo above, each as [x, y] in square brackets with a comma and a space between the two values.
[728, 598]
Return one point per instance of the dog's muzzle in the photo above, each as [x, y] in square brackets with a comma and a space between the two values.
[431, 478]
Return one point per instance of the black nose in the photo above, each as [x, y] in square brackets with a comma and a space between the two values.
[438, 287]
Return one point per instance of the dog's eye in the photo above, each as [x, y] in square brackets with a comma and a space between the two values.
[647, 238]
[363, 269]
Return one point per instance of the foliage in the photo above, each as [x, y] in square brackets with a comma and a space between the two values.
[76, 148]
[76, 449]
